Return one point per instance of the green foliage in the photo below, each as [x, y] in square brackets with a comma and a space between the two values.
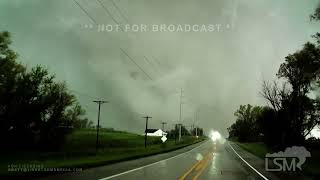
[35, 111]
[302, 68]
[75, 117]
[246, 128]
[174, 133]
[299, 112]
[316, 14]
[198, 133]
[293, 114]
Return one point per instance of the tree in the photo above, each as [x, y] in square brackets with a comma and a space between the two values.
[33, 107]
[293, 114]
[316, 14]
[198, 133]
[270, 127]
[75, 116]
[90, 124]
[10, 70]
[184, 131]
[246, 127]
[302, 71]
[274, 94]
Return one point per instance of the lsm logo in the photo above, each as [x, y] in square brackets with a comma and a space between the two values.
[289, 160]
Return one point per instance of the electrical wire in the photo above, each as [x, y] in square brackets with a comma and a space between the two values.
[136, 63]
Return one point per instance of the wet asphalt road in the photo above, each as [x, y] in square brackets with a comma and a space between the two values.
[208, 160]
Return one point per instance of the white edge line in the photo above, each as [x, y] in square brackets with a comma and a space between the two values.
[132, 170]
[248, 163]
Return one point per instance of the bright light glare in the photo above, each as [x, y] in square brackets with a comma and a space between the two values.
[215, 135]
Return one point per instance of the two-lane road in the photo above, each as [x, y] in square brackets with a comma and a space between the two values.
[208, 160]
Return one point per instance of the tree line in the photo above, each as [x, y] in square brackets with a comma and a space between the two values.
[36, 111]
[292, 112]
[174, 133]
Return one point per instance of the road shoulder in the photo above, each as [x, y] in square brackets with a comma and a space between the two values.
[120, 167]
[259, 165]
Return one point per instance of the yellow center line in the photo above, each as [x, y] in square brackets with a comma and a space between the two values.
[203, 167]
[196, 165]
[199, 166]
[202, 162]
[190, 170]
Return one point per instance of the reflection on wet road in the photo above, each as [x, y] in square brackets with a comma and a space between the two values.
[212, 160]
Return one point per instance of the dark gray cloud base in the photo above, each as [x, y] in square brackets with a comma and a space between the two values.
[218, 70]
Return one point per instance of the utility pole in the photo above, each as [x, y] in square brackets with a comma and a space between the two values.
[98, 125]
[163, 123]
[175, 133]
[196, 132]
[180, 114]
[145, 134]
[179, 131]
[195, 119]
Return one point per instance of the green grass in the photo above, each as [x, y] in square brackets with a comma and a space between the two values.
[79, 150]
[257, 148]
[310, 168]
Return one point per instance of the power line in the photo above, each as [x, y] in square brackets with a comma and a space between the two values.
[86, 12]
[156, 60]
[120, 12]
[163, 123]
[109, 13]
[117, 23]
[180, 113]
[98, 125]
[151, 64]
[146, 131]
[136, 64]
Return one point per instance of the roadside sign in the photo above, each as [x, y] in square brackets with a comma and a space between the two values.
[163, 139]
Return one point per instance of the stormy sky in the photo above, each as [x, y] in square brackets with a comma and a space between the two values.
[217, 70]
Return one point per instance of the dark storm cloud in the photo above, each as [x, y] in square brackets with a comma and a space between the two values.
[218, 70]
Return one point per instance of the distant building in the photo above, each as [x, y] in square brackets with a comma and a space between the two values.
[156, 132]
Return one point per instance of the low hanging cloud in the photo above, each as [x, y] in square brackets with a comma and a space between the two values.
[217, 70]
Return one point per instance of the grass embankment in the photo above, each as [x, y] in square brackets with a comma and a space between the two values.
[79, 150]
[259, 149]
[310, 168]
